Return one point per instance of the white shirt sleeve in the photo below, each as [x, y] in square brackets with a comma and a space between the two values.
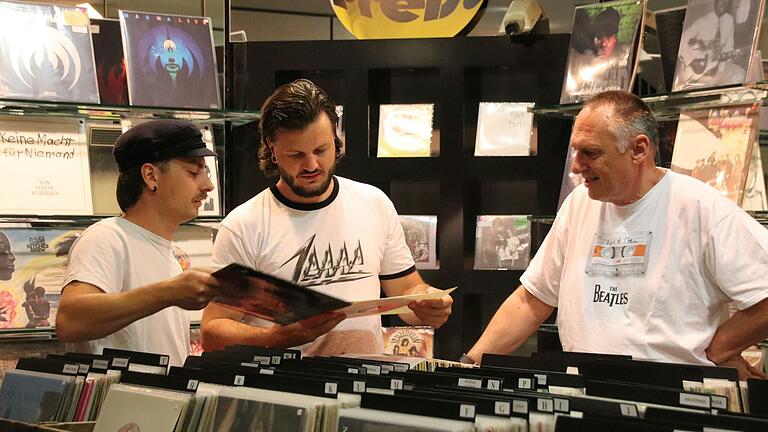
[229, 248]
[397, 257]
[97, 258]
[737, 257]
[543, 275]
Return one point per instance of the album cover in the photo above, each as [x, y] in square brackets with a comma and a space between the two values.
[603, 51]
[719, 37]
[242, 415]
[110, 61]
[33, 264]
[271, 298]
[715, 146]
[171, 61]
[409, 341]
[32, 396]
[45, 166]
[504, 129]
[134, 408]
[502, 243]
[421, 238]
[405, 130]
[669, 26]
[46, 53]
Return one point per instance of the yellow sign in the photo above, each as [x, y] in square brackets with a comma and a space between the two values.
[392, 19]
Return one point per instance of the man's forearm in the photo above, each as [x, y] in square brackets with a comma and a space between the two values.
[517, 318]
[94, 316]
[221, 332]
[744, 329]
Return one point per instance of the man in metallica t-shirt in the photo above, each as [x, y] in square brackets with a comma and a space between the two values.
[318, 230]
[640, 260]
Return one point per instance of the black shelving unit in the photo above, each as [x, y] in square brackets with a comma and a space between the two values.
[455, 75]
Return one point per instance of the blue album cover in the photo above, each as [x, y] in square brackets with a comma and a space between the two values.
[46, 53]
[171, 62]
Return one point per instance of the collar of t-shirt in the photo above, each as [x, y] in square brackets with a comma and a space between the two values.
[145, 233]
[307, 206]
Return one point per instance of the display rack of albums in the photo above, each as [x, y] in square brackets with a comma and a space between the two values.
[51, 150]
[453, 75]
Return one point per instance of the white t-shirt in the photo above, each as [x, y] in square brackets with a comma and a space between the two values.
[117, 256]
[651, 279]
[341, 246]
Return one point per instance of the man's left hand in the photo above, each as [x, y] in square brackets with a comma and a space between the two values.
[432, 312]
[744, 369]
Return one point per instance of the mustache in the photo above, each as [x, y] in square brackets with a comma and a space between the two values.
[201, 197]
[317, 171]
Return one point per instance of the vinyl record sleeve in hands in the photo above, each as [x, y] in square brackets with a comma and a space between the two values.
[46, 53]
[171, 61]
[271, 298]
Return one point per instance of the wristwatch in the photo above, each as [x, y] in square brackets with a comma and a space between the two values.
[467, 359]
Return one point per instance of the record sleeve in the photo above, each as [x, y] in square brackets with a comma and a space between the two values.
[719, 37]
[504, 129]
[502, 243]
[409, 341]
[715, 146]
[171, 61]
[44, 167]
[46, 53]
[755, 198]
[669, 25]
[134, 408]
[110, 61]
[421, 238]
[32, 396]
[603, 51]
[32, 271]
[405, 130]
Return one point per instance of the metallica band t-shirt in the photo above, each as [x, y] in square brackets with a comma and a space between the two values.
[341, 246]
[651, 279]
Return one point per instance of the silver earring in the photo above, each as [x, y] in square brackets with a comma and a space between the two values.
[154, 189]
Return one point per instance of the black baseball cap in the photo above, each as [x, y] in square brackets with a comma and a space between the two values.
[158, 140]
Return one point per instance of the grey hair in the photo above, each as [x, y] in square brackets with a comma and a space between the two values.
[631, 117]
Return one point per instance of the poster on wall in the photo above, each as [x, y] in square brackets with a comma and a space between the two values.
[405, 130]
[46, 53]
[44, 167]
[502, 243]
[171, 62]
[504, 129]
[603, 51]
[212, 204]
[719, 37]
[715, 146]
[110, 61]
[33, 264]
[421, 238]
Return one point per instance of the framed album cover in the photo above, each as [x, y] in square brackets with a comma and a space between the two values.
[110, 61]
[44, 167]
[603, 52]
[405, 130]
[502, 243]
[504, 129]
[421, 237]
[46, 53]
[171, 61]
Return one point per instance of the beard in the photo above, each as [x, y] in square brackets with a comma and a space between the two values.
[308, 192]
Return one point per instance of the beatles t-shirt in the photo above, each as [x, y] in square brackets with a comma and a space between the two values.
[651, 279]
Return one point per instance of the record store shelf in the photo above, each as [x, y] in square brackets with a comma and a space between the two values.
[104, 112]
[667, 106]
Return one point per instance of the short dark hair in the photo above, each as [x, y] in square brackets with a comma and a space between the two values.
[631, 117]
[130, 184]
[293, 107]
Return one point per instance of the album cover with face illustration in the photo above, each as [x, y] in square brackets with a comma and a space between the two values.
[171, 61]
[110, 61]
[603, 51]
[715, 146]
[719, 38]
[46, 53]
[33, 264]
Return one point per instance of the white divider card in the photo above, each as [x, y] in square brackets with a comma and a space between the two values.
[504, 129]
[44, 167]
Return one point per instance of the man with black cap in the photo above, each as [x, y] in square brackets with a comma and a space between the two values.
[124, 287]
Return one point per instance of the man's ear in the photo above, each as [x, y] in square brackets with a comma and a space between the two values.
[149, 175]
[641, 149]
[272, 152]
